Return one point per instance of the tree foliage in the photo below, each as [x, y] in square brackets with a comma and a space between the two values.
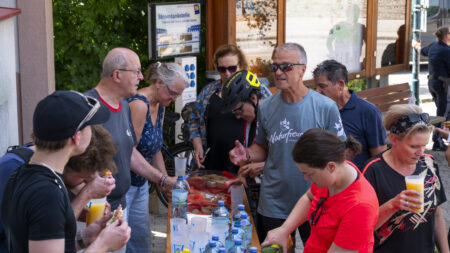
[85, 30]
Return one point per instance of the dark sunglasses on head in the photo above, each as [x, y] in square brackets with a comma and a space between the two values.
[285, 67]
[230, 69]
[403, 124]
[315, 215]
[93, 103]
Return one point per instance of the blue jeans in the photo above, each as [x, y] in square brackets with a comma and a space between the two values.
[138, 219]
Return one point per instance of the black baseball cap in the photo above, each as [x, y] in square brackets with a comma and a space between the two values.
[61, 114]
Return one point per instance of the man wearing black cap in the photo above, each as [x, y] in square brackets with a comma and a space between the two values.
[35, 209]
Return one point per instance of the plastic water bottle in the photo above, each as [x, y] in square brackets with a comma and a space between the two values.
[238, 248]
[229, 242]
[212, 248]
[219, 244]
[222, 250]
[237, 215]
[253, 250]
[179, 199]
[247, 227]
[220, 214]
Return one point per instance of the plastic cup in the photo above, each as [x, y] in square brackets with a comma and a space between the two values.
[197, 241]
[96, 210]
[179, 241]
[198, 224]
[415, 182]
[447, 124]
[177, 225]
[180, 166]
[237, 196]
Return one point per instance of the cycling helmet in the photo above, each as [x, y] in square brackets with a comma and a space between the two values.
[238, 88]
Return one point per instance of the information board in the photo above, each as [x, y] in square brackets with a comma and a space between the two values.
[175, 29]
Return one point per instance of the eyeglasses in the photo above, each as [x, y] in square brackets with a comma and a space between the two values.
[95, 105]
[172, 93]
[314, 215]
[239, 110]
[285, 67]
[230, 69]
[136, 71]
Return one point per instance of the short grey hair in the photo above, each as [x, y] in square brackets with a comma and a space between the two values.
[112, 62]
[291, 46]
[167, 72]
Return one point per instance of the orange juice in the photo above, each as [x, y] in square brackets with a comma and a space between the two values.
[416, 183]
[95, 211]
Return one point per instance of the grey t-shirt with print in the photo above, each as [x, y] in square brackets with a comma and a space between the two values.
[280, 125]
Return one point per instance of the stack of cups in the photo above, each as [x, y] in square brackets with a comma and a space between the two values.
[180, 166]
[237, 197]
[198, 238]
[179, 234]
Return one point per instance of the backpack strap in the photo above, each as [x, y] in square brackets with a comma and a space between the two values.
[23, 152]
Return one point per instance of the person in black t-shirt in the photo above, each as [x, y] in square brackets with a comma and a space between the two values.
[35, 209]
[400, 228]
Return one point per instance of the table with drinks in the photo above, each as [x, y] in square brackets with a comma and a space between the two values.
[229, 227]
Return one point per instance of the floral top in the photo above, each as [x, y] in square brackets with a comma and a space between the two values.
[151, 138]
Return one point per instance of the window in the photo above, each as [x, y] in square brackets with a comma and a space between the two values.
[328, 29]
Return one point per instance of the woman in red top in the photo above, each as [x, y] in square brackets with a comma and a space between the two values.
[341, 206]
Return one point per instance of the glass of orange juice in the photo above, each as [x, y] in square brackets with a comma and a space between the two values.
[415, 182]
[96, 210]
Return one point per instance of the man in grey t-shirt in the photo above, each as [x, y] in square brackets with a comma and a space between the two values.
[283, 118]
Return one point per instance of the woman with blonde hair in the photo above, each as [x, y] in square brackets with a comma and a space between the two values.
[400, 228]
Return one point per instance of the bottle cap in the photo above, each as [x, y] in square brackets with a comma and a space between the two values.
[243, 215]
[215, 237]
[212, 244]
[221, 203]
[238, 241]
[180, 177]
[241, 207]
[234, 230]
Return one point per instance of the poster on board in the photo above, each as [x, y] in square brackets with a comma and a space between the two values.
[176, 29]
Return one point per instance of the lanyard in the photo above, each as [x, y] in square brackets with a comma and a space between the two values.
[50, 168]
[247, 134]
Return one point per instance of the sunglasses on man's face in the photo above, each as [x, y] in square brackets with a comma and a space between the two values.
[285, 67]
[230, 69]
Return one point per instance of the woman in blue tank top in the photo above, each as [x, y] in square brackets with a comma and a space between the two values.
[167, 82]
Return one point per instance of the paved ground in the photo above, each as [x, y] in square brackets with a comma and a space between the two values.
[159, 213]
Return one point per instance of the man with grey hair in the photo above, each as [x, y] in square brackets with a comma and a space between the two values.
[361, 119]
[120, 78]
[283, 118]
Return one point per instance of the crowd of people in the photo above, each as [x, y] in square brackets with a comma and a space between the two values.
[316, 161]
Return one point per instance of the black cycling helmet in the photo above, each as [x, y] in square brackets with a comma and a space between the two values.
[239, 87]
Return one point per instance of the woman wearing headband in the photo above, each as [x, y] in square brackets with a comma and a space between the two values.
[167, 82]
[400, 228]
[341, 206]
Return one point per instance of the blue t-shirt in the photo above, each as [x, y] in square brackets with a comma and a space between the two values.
[151, 138]
[280, 125]
[363, 121]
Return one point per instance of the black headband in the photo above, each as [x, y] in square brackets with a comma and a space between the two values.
[406, 122]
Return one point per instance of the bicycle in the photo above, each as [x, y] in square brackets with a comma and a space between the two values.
[182, 149]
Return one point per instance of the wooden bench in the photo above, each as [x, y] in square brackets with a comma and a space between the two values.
[384, 97]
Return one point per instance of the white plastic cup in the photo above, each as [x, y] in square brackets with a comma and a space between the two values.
[198, 241]
[177, 225]
[180, 166]
[198, 224]
[237, 196]
[179, 240]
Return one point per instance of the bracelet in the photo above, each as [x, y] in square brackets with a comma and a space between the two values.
[162, 181]
[249, 160]
[80, 241]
